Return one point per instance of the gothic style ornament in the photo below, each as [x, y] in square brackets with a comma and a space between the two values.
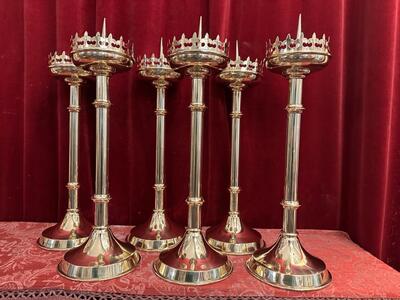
[233, 236]
[73, 230]
[286, 264]
[102, 256]
[193, 261]
[159, 233]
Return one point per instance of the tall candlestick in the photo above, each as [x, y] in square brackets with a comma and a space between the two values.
[102, 256]
[192, 261]
[286, 264]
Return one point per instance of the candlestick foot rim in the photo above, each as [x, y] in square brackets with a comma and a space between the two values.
[71, 232]
[159, 233]
[244, 242]
[101, 257]
[287, 265]
[192, 262]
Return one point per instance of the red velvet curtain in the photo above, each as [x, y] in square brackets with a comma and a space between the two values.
[350, 150]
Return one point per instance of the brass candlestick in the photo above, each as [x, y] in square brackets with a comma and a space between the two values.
[73, 230]
[286, 264]
[102, 256]
[193, 261]
[159, 233]
[233, 236]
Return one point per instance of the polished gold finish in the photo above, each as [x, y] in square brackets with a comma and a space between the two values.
[196, 263]
[73, 230]
[102, 256]
[233, 236]
[193, 261]
[160, 233]
[286, 264]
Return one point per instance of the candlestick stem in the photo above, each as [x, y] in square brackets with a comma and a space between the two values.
[302, 271]
[290, 202]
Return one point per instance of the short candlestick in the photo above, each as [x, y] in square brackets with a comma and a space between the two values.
[233, 236]
[73, 230]
[159, 233]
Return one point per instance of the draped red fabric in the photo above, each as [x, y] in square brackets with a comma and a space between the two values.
[350, 155]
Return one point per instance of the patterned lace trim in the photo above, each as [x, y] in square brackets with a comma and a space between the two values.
[63, 294]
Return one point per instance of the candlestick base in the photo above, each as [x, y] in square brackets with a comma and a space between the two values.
[102, 257]
[71, 232]
[159, 233]
[233, 237]
[287, 265]
[192, 262]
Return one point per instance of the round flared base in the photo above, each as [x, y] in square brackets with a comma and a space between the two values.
[101, 257]
[146, 238]
[244, 242]
[192, 262]
[71, 232]
[287, 265]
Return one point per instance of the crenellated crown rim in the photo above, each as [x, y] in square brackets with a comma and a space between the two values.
[301, 44]
[246, 65]
[100, 42]
[63, 59]
[153, 62]
[198, 43]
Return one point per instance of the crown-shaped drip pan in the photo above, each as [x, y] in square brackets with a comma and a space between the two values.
[198, 50]
[298, 52]
[157, 67]
[241, 70]
[100, 48]
[62, 65]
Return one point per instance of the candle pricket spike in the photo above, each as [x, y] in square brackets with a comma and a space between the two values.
[161, 48]
[200, 25]
[299, 28]
[103, 29]
[237, 51]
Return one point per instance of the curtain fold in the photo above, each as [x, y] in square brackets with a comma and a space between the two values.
[350, 151]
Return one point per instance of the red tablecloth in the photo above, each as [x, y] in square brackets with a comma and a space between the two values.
[28, 271]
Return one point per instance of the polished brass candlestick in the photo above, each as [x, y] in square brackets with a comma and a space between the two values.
[159, 233]
[286, 264]
[233, 236]
[102, 256]
[73, 230]
[192, 261]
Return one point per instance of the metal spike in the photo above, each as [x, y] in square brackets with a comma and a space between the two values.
[299, 28]
[103, 30]
[161, 48]
[237, 50]
[200, 26]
